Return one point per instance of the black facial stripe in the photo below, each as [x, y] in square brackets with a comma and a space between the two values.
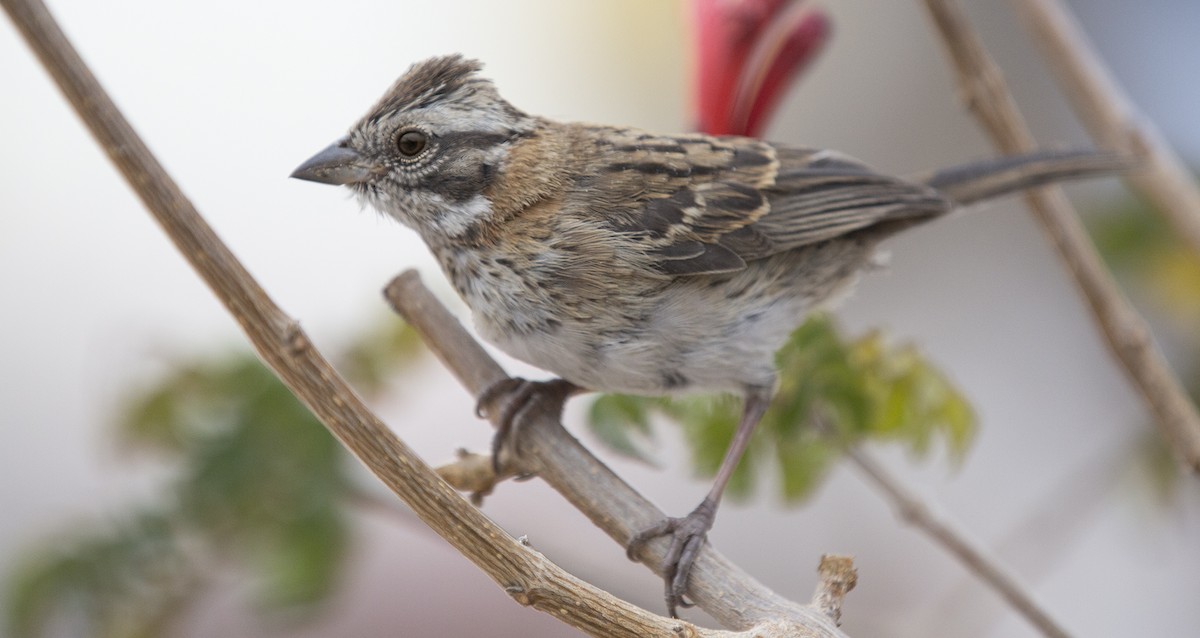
[475, 139]
[457, 181]
[456, 186]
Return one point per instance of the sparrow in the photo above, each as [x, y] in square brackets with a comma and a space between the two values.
[628, 261]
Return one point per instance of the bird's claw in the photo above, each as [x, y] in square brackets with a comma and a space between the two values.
[518, 395]
[494, 391]
[687, 537]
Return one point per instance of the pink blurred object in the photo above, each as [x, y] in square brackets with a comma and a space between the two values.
[748, 53]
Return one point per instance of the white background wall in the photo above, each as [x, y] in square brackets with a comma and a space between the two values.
[233, 95]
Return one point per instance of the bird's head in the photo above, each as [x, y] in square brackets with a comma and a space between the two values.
[427, 151]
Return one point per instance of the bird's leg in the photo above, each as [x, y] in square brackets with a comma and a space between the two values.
[688, 533]
[518, 395]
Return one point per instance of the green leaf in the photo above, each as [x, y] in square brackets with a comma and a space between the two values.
[865, 389]
[803, 464]
[709, 424]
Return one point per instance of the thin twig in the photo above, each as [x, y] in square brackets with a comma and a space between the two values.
[913, 511]
[1109, 114]
[717, 586]
[524, 574]
[986, 95]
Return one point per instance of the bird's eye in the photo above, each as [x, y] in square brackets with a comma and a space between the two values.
[410, 143]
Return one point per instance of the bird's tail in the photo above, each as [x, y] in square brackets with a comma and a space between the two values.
[977, 181]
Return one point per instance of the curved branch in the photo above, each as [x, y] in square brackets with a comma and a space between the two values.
[1126, 333]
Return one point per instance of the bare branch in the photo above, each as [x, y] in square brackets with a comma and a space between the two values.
[1111, 117]
[524, 574]
[913, 511]
[547, 450]
[987, 96]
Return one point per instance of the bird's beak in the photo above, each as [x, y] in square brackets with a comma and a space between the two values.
[337, 164]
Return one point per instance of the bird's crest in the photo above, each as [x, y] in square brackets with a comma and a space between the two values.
[453, 80]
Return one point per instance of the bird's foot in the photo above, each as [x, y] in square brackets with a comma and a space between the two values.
[516, 395]
[687, 537]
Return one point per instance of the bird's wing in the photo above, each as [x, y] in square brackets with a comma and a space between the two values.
[705, 205]
[819, 195]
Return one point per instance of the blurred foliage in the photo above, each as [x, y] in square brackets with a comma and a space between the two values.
[123, 581]
[1157, 470]
[1162, 274]
[260, 484]
[832, 393]
[1153, 262]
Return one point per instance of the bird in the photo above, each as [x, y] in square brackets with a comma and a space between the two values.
[623, 260]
